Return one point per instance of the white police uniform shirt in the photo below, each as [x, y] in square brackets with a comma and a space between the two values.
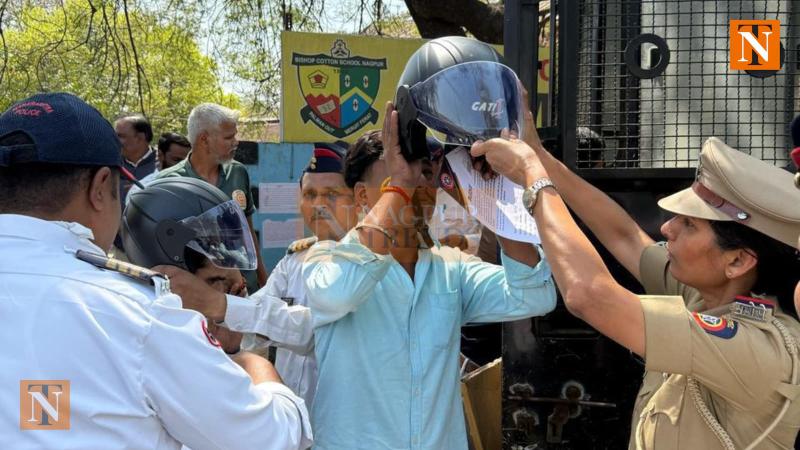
[286, 326]
[142, 372]
[296, 364]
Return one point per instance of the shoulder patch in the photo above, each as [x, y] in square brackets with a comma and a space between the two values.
[211, 339]
[301, 244]
[716, 326]
[135, 272]
[446, 180]
[240, 197]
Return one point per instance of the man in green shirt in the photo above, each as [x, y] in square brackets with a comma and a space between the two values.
[212, 133]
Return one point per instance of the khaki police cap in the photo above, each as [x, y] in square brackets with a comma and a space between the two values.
[733, 186]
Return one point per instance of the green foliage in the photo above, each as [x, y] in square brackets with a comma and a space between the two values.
[249, 47]
[163, 57]
[134, 63]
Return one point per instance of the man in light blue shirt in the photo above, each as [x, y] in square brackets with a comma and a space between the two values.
[388, 311]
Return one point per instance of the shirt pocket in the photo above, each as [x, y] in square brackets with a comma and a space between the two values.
[659, 420]
[443, 312]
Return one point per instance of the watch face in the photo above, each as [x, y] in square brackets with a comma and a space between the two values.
[528, 196]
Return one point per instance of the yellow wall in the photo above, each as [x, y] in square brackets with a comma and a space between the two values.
[311, 69]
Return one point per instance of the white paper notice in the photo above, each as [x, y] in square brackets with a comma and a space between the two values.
[278, 198]
[280, 233]
[496, 203]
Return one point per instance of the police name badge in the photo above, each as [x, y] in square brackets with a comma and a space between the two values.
[752, 309]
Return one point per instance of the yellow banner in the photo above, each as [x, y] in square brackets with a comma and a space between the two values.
[335, 86]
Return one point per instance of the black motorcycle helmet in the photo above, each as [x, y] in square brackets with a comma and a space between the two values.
[433, 57]
[178, 216]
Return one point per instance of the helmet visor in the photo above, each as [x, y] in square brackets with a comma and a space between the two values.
[469, 102]
[222, 235]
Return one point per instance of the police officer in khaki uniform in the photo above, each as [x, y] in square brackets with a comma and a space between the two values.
[718, 329]
[795, 129]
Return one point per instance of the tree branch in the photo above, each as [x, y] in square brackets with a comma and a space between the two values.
[112, 32]
[3, 41]
[92, 11]
[139, 68]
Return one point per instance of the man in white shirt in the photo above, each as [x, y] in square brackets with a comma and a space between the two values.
[328, 210]
[277, 314]
[103, 361]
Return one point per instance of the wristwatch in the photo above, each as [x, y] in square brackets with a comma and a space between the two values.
[530, 194]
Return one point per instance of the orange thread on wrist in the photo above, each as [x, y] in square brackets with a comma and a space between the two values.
[397, 190]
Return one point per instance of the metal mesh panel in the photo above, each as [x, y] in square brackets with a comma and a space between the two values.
[662, 122]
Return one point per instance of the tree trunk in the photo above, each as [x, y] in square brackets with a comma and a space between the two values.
[456, 18]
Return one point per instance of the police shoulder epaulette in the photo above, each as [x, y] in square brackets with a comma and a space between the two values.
[158, 280]
[301, 244]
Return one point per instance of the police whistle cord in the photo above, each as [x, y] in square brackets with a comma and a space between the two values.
[713, 423]
[708, 417]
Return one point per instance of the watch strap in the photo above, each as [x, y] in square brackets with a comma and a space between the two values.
[534, 189]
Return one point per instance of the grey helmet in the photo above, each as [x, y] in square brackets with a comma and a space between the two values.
[174, 214]
[430, 59]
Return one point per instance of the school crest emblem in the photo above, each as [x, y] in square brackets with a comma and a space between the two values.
[339, 89]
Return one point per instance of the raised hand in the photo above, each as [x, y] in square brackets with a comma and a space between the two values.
[404, 174]
[512, 158]
[529, 133]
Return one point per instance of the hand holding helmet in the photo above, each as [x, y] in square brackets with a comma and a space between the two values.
[403, 173]
[511, 158]
[174, 218]
[195, 293]
[457, 90]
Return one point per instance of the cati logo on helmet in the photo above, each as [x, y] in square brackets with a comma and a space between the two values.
[495, 108]
[755, 45]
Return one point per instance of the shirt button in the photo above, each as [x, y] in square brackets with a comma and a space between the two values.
[415, 441]
[416, 391]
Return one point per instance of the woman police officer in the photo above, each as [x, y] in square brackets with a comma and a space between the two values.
[795, 128]
[718, 329]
